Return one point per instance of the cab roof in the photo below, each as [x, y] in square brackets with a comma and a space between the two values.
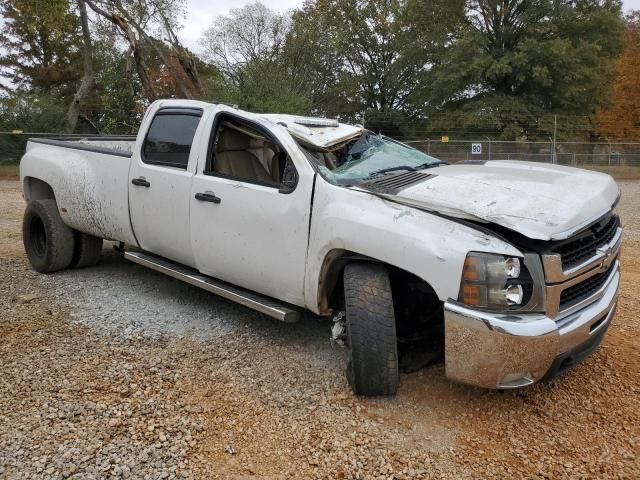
[321, 133]
[312, 131]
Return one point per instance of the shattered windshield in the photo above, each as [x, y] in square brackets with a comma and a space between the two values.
[370, 156]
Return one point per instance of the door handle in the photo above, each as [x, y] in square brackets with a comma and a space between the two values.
[208, 197]
[140, 182]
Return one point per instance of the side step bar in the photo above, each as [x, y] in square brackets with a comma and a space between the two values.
[266, 305]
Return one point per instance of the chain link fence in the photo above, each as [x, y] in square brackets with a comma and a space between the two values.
[617, 158]
[13, 144]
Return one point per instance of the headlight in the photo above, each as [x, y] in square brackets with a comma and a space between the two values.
[494, 282]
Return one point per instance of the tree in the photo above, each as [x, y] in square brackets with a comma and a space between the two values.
[621, 119]
[248, 48]
[31, 111]
[135, 20]
[87, 78]
[371, 58]
[516, 60]
[41, 41]
[117, 101]
[251, 34]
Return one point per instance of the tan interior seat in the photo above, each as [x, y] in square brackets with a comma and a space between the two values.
[327, 159]
[233, 157]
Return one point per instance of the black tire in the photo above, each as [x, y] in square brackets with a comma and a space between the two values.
[88, 250]
[47, 240]
[371, 330]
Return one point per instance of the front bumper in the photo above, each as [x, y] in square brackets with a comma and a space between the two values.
[510, 351]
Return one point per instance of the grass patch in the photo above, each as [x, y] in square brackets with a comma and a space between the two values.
[9, 171]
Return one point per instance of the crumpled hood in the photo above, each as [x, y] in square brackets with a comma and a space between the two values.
[540, 201]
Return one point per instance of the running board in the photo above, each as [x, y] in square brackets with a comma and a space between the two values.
[266, 305]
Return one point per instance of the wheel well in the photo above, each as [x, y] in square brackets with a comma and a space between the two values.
[36, 189]
[409, 291]
[418, 310]
[419, 319]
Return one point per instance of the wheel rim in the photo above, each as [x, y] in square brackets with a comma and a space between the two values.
[38, 236]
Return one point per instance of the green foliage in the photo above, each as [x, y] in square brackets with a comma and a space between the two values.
[267, 87]
[375, 53]
[515, 61]
[255, 63]
[116, 105]
[408, 68]
[41, 43]
[31, 111]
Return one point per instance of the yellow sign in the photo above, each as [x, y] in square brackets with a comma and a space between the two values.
[16, 131]
[445, 139]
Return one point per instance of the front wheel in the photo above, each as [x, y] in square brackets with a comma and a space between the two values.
[371, 330]
[49, 243]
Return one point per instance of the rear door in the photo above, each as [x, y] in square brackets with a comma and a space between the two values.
[250, 208]
[160, 184]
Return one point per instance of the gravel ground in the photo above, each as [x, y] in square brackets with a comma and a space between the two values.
[148, 304]
[116, 371]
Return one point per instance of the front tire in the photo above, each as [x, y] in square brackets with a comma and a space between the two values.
[49, 243]
[371, 330]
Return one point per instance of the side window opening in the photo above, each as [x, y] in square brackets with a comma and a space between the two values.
[243, 152]
[170, 137]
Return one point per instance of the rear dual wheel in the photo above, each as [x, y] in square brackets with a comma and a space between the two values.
[50, 244]
[87, 251]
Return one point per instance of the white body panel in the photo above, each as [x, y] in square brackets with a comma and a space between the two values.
[256, 237]
[431, 247]
[540, 201]
[160, 213]
[322, 137]
[91, 188]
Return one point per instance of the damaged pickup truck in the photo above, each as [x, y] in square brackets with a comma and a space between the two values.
[509, 268]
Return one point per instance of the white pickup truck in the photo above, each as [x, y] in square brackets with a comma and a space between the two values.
[509, 268]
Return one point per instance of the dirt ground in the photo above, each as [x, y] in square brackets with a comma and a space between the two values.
[260, 399]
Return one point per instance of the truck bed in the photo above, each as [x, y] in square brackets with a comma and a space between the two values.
[95, 198]
[109, 144]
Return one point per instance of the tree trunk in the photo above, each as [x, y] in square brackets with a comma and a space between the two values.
[185, 58]
[181, 79]
[134, 44]
[87, 79]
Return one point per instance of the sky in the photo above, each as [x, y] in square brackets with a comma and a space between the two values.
[200, 15]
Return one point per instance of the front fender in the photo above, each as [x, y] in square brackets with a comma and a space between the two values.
[429, 246]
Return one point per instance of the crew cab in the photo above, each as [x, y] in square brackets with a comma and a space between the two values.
[509, 269]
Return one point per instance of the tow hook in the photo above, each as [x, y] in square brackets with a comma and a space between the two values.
[339, 330]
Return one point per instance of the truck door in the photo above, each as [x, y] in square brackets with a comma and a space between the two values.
[160, 184]
[250, 208]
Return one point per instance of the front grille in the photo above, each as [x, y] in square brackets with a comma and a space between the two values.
[585, 289]
[585, 245]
